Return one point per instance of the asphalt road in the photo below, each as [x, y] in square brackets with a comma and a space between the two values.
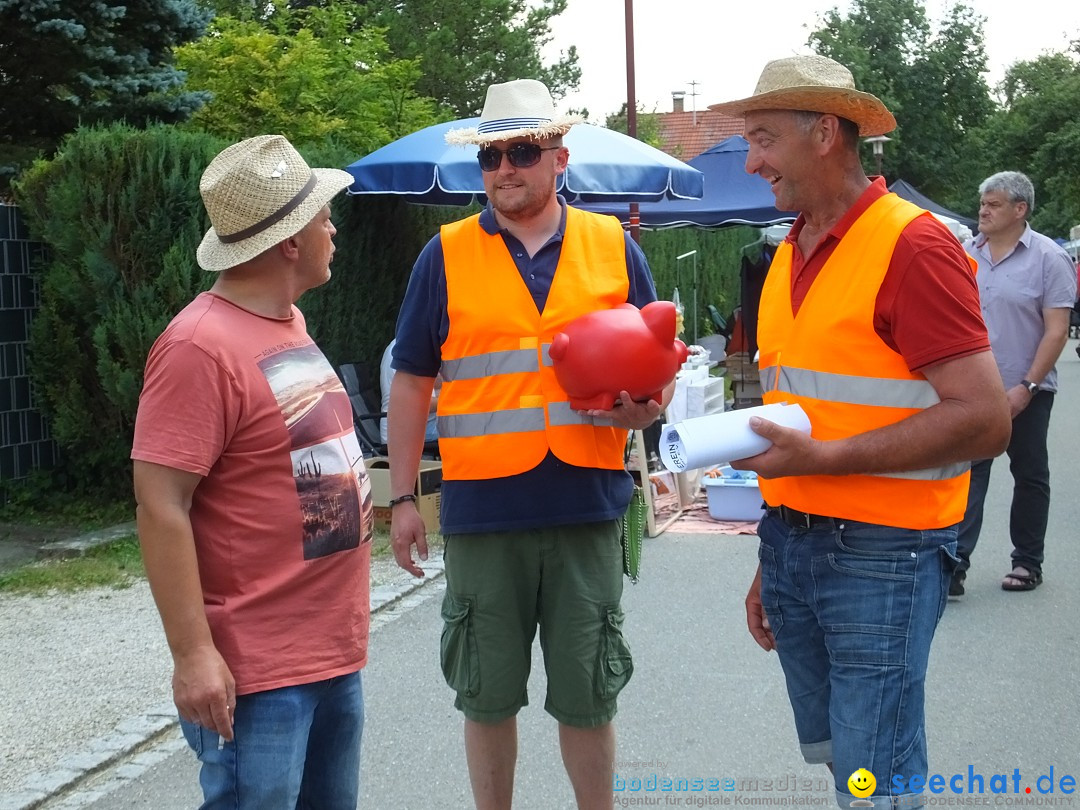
[705, 703]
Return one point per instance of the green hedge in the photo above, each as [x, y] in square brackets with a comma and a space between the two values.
[352, 317]
[120, 211]
[719, 254]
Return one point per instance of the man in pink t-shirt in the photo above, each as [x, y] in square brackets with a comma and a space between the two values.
[254, 507]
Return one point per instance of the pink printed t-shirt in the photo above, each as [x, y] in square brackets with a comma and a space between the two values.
[283, 516]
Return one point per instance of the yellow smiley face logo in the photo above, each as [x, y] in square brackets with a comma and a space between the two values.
[861, 783]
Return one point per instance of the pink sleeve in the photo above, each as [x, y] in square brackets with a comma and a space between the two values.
[187, 409]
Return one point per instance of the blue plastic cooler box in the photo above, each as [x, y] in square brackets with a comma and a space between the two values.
[734, 496]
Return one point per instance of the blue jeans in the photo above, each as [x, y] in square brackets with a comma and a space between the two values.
[293, 748]
[853, 608]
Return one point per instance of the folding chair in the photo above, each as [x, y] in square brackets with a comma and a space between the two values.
[366, 404]
[363, 390]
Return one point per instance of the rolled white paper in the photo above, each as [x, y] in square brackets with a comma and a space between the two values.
[706, 441]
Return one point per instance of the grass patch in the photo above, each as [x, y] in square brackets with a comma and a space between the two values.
[68, 512]
[114, 565]
[119, 564]
[380, 545]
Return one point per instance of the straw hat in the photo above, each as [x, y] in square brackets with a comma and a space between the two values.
[817, 84]
[512, 110]
[257, 193]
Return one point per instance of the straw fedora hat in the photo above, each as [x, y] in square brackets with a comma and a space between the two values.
[257, 193]
[817, 84]
[514, 109]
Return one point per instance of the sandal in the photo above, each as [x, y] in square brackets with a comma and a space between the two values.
[1026, 581]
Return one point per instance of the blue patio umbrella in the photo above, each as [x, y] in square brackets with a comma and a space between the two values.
[732, 197]
[605, 165]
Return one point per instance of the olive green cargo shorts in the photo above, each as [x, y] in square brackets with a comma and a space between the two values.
[500, 586]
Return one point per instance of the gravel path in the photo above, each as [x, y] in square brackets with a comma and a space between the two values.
[72, 667]
[75, 669]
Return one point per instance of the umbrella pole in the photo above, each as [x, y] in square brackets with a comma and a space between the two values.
[631, 108]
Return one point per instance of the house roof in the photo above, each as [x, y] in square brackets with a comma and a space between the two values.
[683, 137]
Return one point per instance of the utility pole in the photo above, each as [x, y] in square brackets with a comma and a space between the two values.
[631, 108]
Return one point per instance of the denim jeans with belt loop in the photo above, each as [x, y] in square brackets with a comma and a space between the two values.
[853, 607]
[294, 748]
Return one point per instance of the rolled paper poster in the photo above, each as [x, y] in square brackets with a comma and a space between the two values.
[706, 441]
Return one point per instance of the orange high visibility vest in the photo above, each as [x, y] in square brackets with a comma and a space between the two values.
[501, 408]
[829, 360]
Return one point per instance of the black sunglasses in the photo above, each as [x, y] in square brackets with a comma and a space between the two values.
[521, 156]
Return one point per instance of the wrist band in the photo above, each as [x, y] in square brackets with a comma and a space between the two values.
[401, 499]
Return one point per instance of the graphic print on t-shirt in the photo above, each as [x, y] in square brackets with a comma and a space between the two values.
[331, 482]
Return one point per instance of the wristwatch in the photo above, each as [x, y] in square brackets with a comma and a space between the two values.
[1030, 386]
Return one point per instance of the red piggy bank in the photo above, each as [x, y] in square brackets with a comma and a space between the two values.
[622, 349]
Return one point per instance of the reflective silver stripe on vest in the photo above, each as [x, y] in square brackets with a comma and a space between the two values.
[491, 364]
[932, 474]
[876, 391]
[873, 391]
[525, 420]
[545, 357]
[468, 425]
[560, 414]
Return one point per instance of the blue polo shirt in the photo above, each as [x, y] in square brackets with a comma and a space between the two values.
[553, 493]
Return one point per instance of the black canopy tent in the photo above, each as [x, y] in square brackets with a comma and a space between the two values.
[902, 188]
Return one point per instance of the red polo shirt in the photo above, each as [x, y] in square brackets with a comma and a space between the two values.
[928, 306]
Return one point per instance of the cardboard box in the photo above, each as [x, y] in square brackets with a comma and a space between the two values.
[428, 480]
[746, 394]
[741, 368]
[426, 505]
[427, 489]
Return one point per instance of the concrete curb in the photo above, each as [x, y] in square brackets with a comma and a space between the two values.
[143, 731]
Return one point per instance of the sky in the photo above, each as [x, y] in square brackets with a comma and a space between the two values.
[722, 45]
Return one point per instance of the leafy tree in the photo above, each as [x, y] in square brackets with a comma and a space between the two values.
[241, 9]
[309, 75]
[931, 81]
[66, 62]
[464, 46]
[647, 124]
[719, 258]
[1037, 132]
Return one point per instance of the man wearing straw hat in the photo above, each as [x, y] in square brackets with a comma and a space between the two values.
[870, 321]
[532, 490]
[254, 508]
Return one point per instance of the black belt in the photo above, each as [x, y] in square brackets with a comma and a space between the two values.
[804, 520]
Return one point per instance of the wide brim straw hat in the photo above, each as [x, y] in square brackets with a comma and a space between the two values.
[257, 193]
[816, 84]
[521, 108]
